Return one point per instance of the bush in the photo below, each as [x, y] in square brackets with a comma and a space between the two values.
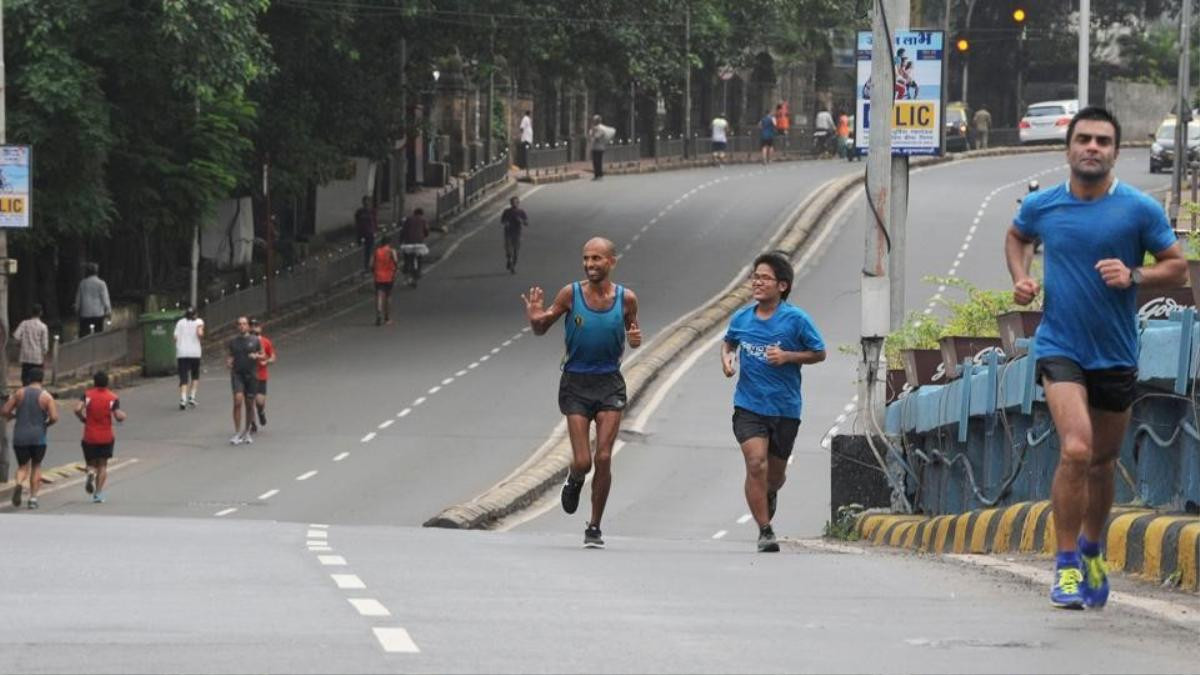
[917, 332]
[976, 315]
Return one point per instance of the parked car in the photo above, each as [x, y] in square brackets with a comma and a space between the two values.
[1047, 122]
[956, 127]
[1162, 151]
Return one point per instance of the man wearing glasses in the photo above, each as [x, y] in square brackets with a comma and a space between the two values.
[772, 340]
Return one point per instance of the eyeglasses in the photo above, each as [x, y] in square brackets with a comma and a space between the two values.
[761, 278]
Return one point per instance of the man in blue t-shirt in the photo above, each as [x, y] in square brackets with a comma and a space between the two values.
[1096, 232]
[766, 136]
[771, 339]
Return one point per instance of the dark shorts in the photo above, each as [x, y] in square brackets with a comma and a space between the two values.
[188, 367]
[95, 451]
[587, 394]
[244, 383]
[718, 146]
[29, 453]
[1111, 389]
[262, 387]
[780, 432]
[766, 143]
[385, 286]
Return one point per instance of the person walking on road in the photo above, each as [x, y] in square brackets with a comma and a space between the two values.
[245, 351]
[601, 317]
[720, 138]
[366, 224]
[412, 245]
[34, 337]
[526, 129]
[599, 135]
[92, 301]
[97, 409]
[982, 121]
[268, 352]
[189, 332]
[1095, 231]
[513, 219]
[384, 268]
[766, 137]
[34, 410]
[771, 340]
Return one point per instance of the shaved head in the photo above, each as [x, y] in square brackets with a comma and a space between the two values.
[609, 249]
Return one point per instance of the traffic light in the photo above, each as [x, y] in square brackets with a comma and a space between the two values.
[1018, 15]
[962, 45]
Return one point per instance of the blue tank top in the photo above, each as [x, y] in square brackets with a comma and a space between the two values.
[30, 427]
[595, 340]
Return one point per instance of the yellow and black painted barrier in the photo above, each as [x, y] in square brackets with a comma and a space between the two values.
[1154, 545]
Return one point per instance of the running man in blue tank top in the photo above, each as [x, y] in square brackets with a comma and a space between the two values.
[1096, 232]
[771, 339]
[601, 317]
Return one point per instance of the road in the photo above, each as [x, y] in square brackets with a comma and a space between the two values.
[171, 586]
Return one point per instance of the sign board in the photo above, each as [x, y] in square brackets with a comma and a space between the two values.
[725, 72]
[16, 194]
[917, 92]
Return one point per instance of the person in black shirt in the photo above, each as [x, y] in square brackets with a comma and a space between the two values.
[245, 352]
[514, 219]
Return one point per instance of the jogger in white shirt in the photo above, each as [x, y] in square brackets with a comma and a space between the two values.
[189, 331]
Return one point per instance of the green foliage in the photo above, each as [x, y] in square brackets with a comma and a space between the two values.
[845, 527]
[917, 332]
[975, 316]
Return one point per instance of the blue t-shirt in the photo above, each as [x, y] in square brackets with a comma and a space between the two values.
[773, 391]
[1085, 320]
[768, 127]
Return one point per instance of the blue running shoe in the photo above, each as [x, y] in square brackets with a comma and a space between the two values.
[1095, 580]
[1065, 592]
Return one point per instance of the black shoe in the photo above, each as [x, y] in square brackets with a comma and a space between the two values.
[253, 428]
[262, 417]
[33, 504]
[570, 494]
[772, 501]
[766, 540]
[90, 486]
[378, 320]
[16, 495]
[592, 537]
[183, 405]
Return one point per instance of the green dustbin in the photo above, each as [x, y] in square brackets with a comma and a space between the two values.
[158, 341]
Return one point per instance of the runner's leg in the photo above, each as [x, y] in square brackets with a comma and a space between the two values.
[754, 451]
[1069, 491]
[238, 403]
[776, 472]
[581, 450]
[608, 423]
[101, 473]
[23, 473]
[35, 479]
[1108, 430]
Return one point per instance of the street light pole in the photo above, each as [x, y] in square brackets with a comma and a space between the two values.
[1085, 30]
[3, 259]
[687, 82]
[1183, 114]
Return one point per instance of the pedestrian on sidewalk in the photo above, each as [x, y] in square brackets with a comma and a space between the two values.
[384, 267]
[771, 340]
[1095, 231]
[766, 137]
[366, 224]
[268, 357]
[92, 301]
[720, 138]
[513, 219]
[412, 244]
[824, 129]
[982, 121]
[97, 409]
[189, 333]
[34, 410]
[34, 337]
[601, 317]
[526, 140]
[245, 351]
[599, 135]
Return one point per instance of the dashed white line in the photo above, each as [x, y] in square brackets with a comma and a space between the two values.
[473, 366]
[386, 423]
[348, 581]
[403, 413]
[503, 344]
[319, 549]
[340, 456]
[224, 512]
[495, 350]
[447, 381]
[744, 519]
[460, 373]
[720, 533]
[518, 336]
[369, 607]
[419, 401]
[368, 438]
[332, 560]
[268, 494]
[317, 534]
[395, 640]
[319, 526]
[306, 475]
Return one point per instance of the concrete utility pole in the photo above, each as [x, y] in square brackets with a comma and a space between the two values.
[3, 259]
[488, 146]
[967, 56]
[401, 180]
[1085, 35]
[687, 81]
[270, 235]
[1183, 115]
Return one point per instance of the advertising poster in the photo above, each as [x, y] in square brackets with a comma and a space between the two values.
[916, 88]
[15, 188]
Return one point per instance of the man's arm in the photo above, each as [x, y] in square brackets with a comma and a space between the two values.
[1018, 252]
[1169, 270]
[50, 407]
[540, 318]
[728, 356]
[79, 406]
[10, 406]
[633, 332]
[200, 330]
[105, 299]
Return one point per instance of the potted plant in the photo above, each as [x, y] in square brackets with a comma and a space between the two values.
[1020, 321]
[970, 331]
[914, 347]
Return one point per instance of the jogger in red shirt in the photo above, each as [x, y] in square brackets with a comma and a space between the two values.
[97, 410]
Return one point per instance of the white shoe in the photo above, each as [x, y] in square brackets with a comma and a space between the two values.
[236, 440]
[247, 438]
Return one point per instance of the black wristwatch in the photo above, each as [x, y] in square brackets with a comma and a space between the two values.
[1136, 276]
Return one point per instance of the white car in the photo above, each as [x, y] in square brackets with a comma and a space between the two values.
[1047, 122]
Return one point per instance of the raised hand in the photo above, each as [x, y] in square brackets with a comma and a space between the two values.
[1025, 290]
[534, 301]
[634, 334]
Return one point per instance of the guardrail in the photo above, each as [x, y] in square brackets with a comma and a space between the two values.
[623, 152]
[86, 355]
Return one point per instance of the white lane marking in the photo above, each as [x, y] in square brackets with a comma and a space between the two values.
[447, 381]
[5, 505]
[972, 229]
[517, 336]
[505, 343]
[473, 366]
[526, 329]
[386, 423]
[403, 413]
[369, 607]
[340, 456]
[840, 418]
[306, 475]
[434, 390]
[833, 430]
[929, 310]
[368, 438]
[268, 494]
[319, 549]
[628, 246]
[419, 401]
[495, 350]
[319, 526]
[224, 512]
[395, 640]
[960, 255]
[317, 534]
[848, 407]
[460, 373]
[968, 240]
[485, 357]
[720, 533]
[332, 560]
[744, 519]
[317, 542]
[348, 581]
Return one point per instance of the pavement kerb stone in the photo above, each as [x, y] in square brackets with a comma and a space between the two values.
[1156, 546]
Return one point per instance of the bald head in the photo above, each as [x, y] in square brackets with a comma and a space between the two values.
[599, 257]
[602, 245]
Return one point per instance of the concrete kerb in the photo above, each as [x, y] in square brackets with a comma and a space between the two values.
[1157, 547]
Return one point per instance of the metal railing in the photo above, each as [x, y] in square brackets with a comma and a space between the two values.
[544, 157]
[669, 148]
[484, 177]
[623, 152]
[449, 201]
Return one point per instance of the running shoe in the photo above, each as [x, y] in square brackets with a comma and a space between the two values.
[1095, 579]
[262, 417]
[90, 486]
[191, 402]
[33, 504]
[253, 428]
[766, 540]
[183, 405]
[247, 438]
[98, 498]
[592, 537]
[1065, 592]
[570, 494]
[772, 502]
[236, 440]
[16, 496]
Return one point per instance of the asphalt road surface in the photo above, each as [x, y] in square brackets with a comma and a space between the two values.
[302, 552]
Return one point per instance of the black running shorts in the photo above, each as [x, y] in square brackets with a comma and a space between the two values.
[188, 367]
[29, 453]
[262, 387]
[95, 451]
[244, 383]
[587, 394]
[780, 432]
[1111, 389]
[385, 286]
